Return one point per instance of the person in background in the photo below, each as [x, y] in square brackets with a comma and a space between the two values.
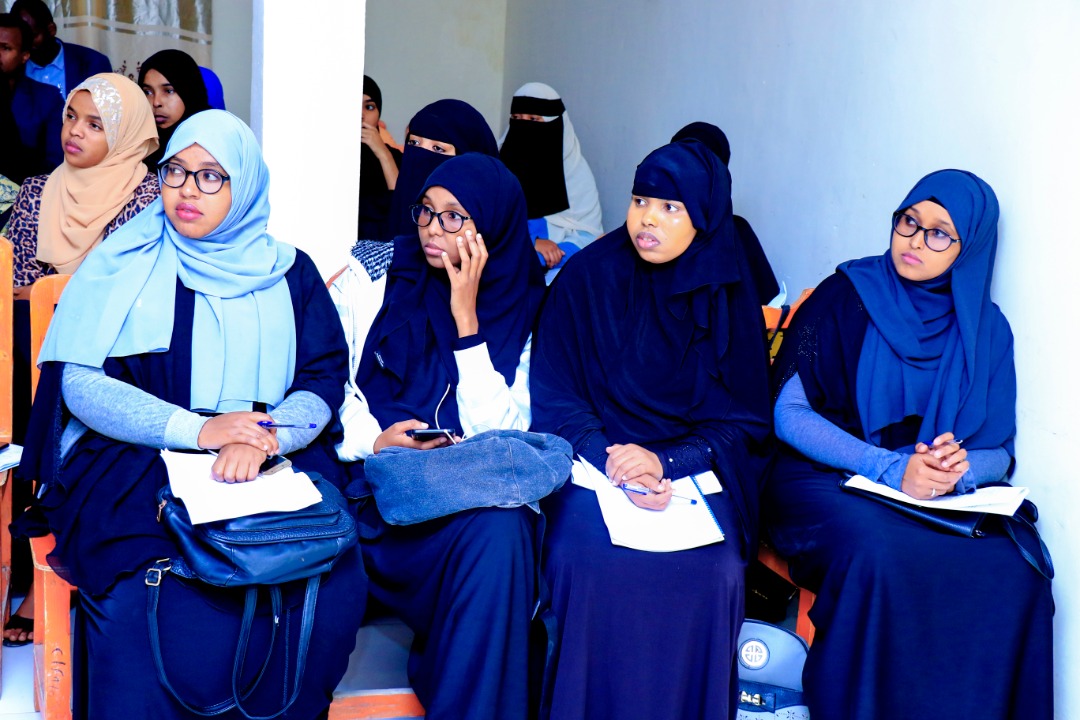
[53, 62]
[761, 272]
[446, 342]
[649, 361]
[29, 110]
[379, 164]
[58, 219]
[436, 133]
[893, 362]
[175, 89]
[541, 148]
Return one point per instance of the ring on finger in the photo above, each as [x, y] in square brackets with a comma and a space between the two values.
[933, 493]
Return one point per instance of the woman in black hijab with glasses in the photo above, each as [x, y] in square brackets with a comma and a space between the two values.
[447, 343]
[649, 361]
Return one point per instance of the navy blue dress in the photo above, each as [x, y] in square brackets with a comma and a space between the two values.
[670, 357]
[100, 504]
[911, 622]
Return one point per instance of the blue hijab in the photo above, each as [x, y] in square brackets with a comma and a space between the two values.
[939, 349]
[449, 121]
[121, 301]
[408, 366]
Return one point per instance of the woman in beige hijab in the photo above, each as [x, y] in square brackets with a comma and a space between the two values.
[58, 218]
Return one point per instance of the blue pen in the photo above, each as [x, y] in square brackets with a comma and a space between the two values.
[643, 491]
[272, 424]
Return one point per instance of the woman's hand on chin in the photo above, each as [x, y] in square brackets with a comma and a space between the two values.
[394, 436]
[465, 282]
[237, 463]
[239, 427]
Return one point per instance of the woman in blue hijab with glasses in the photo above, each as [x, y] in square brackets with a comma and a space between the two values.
[650, 362]
[184, 331]
[448, 344]
[900, 368]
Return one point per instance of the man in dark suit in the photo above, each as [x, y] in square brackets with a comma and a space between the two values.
[31, 113]
[62, 65]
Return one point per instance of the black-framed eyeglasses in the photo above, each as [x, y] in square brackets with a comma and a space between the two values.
[207, 180]
[936, 240]
[451, 220]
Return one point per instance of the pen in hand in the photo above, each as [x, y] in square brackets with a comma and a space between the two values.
[638, 490]
[272, 424]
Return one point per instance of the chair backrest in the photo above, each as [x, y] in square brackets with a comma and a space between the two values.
[335, 276]
[44, 296]
[777, 319]
[7, 286]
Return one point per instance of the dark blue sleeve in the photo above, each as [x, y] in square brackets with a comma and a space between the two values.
[322, 362]
[559, 391]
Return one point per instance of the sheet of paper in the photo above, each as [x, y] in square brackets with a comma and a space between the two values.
[708, 482]
[10, 457]
[207, 500]
[679, 526]
[996, 499]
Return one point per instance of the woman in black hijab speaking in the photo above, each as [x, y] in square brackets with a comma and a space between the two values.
[649, 361]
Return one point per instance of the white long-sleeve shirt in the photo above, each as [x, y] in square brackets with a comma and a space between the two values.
[484, 400]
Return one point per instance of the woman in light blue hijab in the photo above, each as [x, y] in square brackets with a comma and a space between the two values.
[184, 331]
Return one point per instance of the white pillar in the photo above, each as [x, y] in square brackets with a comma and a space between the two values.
[306, 97]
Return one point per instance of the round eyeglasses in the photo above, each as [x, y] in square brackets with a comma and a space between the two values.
[450, 220]
[208, 181]
[936, 240]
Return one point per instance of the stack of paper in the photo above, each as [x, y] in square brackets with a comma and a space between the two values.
[207, 500]
[679, 526]
[996, 499]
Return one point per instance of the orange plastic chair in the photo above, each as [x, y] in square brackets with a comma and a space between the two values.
[52, 594]
[776, 322]
[7, 284]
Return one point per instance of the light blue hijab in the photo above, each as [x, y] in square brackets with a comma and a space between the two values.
[121, 301]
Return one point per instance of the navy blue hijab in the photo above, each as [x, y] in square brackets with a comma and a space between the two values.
[408, 366]
[660, 354]
[449, 121]
[713, 137]
[940, 349]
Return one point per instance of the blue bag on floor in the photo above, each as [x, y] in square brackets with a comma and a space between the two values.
[771, 662]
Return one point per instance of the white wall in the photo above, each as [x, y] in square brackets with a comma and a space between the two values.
[834, 110]
[230, 57]
[307, 123]
[420, 51]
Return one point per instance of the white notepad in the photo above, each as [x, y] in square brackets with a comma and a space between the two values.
[995, 499]
[679, 526]
[207, 500]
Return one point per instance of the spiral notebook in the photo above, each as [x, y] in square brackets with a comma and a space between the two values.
[679, 526]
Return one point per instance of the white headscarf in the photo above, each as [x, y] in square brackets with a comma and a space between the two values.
[583, 215]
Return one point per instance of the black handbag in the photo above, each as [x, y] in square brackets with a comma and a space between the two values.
[979, 524]
[266, 550]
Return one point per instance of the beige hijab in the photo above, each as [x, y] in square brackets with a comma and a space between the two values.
[77, 203]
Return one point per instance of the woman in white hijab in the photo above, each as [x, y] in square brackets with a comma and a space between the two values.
[564, 206]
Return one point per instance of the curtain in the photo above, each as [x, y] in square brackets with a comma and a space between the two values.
[129, 31]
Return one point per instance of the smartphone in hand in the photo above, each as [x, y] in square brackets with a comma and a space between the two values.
[430, 434]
